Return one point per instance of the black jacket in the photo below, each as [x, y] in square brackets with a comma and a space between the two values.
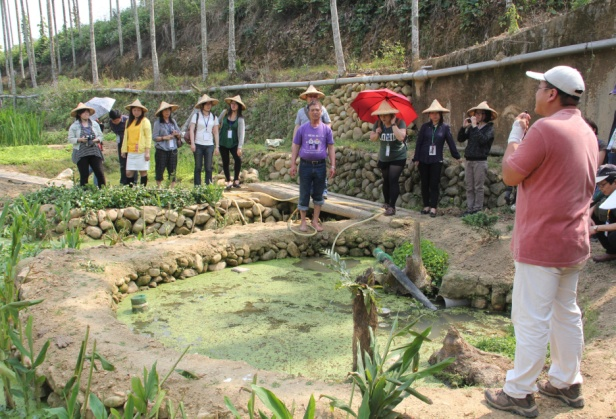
[479, 141]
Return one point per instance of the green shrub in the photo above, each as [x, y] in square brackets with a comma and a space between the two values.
[484, 223]
[435, 260]
[91, 198]
[504, 345]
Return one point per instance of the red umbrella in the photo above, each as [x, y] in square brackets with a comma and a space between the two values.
[368, 101]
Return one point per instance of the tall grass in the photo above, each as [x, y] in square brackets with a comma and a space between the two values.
[18, 128]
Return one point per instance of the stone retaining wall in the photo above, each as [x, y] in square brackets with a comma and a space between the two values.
[357, 175]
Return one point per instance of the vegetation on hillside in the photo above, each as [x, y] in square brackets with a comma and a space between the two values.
[445, 25]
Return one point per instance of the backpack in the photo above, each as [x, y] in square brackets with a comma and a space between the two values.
[187, 132]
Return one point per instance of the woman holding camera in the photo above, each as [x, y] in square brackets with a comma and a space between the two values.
[166, 134]
[137, 143]
[478, 130]
[429, 155]
[86, 135]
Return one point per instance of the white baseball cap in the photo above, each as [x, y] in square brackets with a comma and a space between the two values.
[564, 78]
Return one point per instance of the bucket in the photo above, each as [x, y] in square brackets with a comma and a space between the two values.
[138, 303]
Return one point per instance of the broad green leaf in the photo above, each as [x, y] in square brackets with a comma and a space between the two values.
[6, 372]
[97, 407]
[58, 412]
[311, 409]
[272, 402]
[339, 404]
[232, 408]
[107, 366]
[41, 355]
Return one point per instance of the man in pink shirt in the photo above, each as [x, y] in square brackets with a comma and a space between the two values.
[554, 170]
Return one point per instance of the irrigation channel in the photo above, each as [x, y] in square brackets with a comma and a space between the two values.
[285, 316]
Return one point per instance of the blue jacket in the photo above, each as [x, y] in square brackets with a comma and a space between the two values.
[428, 136]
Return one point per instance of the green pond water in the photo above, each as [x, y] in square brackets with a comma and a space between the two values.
[284, 316]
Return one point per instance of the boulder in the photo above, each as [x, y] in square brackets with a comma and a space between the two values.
[94, 232]
[131, 213]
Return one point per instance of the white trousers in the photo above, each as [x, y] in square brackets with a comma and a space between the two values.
[545, 310]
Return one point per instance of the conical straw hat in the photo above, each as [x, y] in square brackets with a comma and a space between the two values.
[385, 109]
[136, 104]
[204, 99]
[164, 105]
[312, 91]
[483, 106]
[237, 99]
[435, 107]
[80, 107]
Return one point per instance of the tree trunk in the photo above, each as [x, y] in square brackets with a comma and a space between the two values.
[56, 37]
[30, 40]
[8, 56]
[77, 19]
[52, 51]
[25, 27]
[155, 72]
[70, 20]
[337, 42]
[232, 58]
[120, 29]
[172, 18]
[21, 58]
[137, 33]
[363, 320]
[415, 269]
[42, 27]
[203, 40]
[93, 47]
[110, 10]
[414, 33]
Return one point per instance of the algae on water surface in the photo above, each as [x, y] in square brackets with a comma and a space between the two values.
[282, 315]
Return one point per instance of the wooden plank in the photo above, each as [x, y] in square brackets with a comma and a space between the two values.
[342, 205]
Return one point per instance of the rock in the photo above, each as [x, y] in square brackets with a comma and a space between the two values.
[172, 216]
[188, 273]
[132, 288]
[180, 220]
[198, 263]
[216, 266]
[292, 249]
[166, 228]
[123, 224]
[182, 231]
[94, 232]
[138, 226]
[112, 215]
[131, 213]
[217, 257]
[91, 218]
[143, 280]
[149, 213]
[153, 272]
[269, 255]
[188, 212]
[105, 225]
[75, 224]
[61, 227]
[201, 218]
[76, 213]
[114, 401]
[475, 367]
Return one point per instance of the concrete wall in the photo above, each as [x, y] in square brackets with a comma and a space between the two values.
[509, 91]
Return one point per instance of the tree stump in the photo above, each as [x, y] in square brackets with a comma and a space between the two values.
[363, 319]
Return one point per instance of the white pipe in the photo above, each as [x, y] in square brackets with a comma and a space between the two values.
[420, 75]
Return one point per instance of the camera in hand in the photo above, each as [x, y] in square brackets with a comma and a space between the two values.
[90, 139]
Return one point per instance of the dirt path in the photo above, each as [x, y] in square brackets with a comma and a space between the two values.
[76, 298]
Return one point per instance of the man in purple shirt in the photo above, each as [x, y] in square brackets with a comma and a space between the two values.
[312, 142]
